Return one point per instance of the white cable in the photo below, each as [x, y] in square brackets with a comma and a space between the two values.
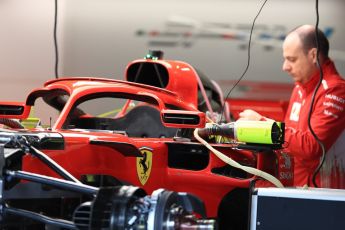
[235, 164]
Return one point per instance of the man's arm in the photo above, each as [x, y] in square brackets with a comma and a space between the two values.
[327, 122]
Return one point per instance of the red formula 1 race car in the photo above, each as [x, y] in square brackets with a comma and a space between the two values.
[94, 133]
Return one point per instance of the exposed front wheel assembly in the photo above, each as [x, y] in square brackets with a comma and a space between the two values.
[128, 207]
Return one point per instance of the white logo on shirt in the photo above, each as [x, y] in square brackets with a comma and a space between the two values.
[296, 108]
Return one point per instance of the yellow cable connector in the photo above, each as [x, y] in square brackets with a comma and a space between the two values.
[31, 122]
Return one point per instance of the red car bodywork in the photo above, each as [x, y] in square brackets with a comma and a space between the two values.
[174, 163]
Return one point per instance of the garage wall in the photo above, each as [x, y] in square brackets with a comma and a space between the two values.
[99, 37]
[27, 56]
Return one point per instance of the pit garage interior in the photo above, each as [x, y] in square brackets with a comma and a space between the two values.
[175, 62]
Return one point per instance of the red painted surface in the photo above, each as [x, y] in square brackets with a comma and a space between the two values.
[267, 98]
[272, 109]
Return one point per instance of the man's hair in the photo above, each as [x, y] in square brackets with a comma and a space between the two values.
[308, 40]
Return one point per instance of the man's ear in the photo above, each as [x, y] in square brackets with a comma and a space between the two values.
[312, 54]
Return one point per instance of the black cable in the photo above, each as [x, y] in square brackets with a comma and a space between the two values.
[248, 60]
[313, 99]
[55, 43]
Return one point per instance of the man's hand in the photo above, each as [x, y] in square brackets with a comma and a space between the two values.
[250, 115]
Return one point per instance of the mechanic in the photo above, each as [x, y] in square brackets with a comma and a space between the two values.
[328, 114]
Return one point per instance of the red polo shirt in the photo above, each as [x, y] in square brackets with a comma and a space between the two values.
[327, 121]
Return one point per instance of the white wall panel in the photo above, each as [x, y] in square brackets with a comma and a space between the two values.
[99, 37]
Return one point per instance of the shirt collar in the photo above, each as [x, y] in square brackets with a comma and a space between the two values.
[327, 68]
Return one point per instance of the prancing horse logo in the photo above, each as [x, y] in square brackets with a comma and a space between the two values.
[144, 165]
